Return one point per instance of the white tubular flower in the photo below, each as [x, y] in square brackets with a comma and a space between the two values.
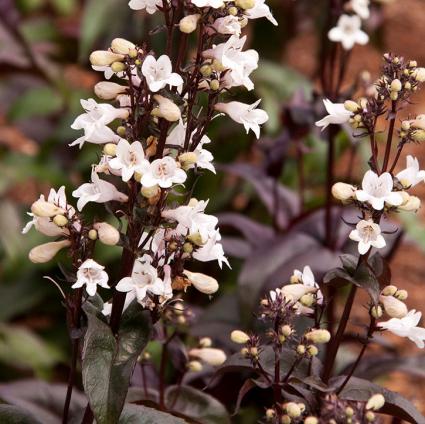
[130, 158]
[361, 7]
[412, 175]
[261, 10]
[158, 73]
[47, 251]
[210, 355]
[343, 191]
[91, 275]
[107, 90]
[164, 173]
[407, 327]
[247, 115]
[144, 279]
[212, 251]
[393, 307]
[94, 123]
[98, 191]
[208, 3]
[107, 306]
[294, 292]
[203, 283]
[377, 190]
[307, 278]
[337, 114]
[166, 109]
[367, 234]
[151, 6]
[228, 25]
[44, 226]
[348, 32]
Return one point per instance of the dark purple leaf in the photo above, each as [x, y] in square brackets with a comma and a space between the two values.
[236, 247]
[246, 387]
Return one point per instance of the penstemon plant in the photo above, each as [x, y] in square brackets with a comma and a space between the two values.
[152, 139]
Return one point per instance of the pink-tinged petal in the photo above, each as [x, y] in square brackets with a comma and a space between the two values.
[125, 284]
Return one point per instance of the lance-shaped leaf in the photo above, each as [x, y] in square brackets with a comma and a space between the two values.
[108, 362]
[13, 415]
[138, 414]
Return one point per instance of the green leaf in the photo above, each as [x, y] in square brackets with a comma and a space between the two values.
[108, 362]
[138, 414]
[13, 415]
[195, 404]
[39, 101]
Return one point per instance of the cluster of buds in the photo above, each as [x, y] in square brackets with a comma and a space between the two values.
[177, 314]
[287, 413]
[391, 302]
[252, 345]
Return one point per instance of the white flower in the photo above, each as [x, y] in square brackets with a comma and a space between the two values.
[307, 278]
[260, 10]
[367, 234]
[94, 122]
[411, 176]
[47, 251]
[203, 283]
[44, 226]
[211, 251]
[151, 6]
[377, 189]
[130, 158]
[91, 275]
[406, 327]
[208, 3]
[337, 114]
[248, 115]
[107, 306]
[394, 307]
[294, 292]
[348, 32]
[228, 25]
[144, 278]
[98, 191]
[164, 173]
[158, 73]
[361, 7]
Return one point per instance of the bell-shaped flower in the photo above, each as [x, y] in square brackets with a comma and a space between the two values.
[407, 327]
[98, 191]
[151, 6]
[163, 172]
[94, 123]
[377, 190]
[360, 7]
[159, 73]
[411, 175]
[228, 25]
[91, 275]
[307, 278]
[247, 115]
[215, 4]
[130, 158]
[260, 10]
[367, 234]
[212, 250]
[337, 114]
[348, 32]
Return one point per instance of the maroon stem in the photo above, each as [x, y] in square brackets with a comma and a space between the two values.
[390, 136]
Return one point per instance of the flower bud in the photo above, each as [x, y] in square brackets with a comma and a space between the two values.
[122, 46]
[300, 349]
[401, 295]
[107, 233]
[233, 11]
[286, 330]
[206, 70]
[188, 159]
[376, 402]
[110, 149]
[150, 192]
[104, 58]
[343, 191]
[370, 416]
[292, 409]
[118, 67]
[376, 311]
[166, 109]
[205, 342]
[245, 4]
[215, 85]
[189, 23]
[293, 292]
[351, 106]
[318, 335]
[187, 247]
[194, 366]
[418, 135]
[60, 220]
[393, 307]
[195, 238]
[307, 299]
[389, 290]
[107, 90]
[46, 209]
[92, 234]
[312, 350]
[419, 74]
[47, 251]
[295, 279]
[393, 96]
[311, 420]
[412, 205]
[395, 85]
[270, 413]
[239, 337]
[201, 282]
[285, 419]
[210, 355]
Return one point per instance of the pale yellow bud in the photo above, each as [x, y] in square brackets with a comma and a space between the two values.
[239, 337]
[300, 349]
[396, 85]
[370, 416]
[418, 135]
[285, 419]
[419, 74]
[110, 149]
[118, 67]
[218, 66]
[412, 205]
[105, 58]
[311, 420]
[206, 70]
[270, 413]
[408, 86]
[149, 192]
[205, 342]
[189, 23]
[122, 46]
[45, 209]
[92, 234]
[318, 336]
[195, 238]
[107, 233]
[401, 295]
[121, 131]
[351, 106]
[413, 64]
[393, 96]
[293, 409]
[376, 311]
[210, 355]
[233, 11]
[405, 125]
[194, 366]
[312, 350]
[60, 220]
[188, 247]
[215, 85]
[178, 308]
[286, 330]
[201, 282]
[343, 191]
[307, 300]
[245, 4]
[107, 90]
[294, 279]
[166, 109]
[389, 290]
[393, 307]
[47, 251]
[376, 402]
[187, 159]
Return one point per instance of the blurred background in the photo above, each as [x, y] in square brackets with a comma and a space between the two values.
[44, 72]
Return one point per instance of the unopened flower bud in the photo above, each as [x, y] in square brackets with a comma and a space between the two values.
[343, 191]
[370, 416]
[419, 74]
[187, 247]
[233, 11]
[239, 337]
[396, 85]
[92, 234]
[349, 411]
[253, 351]
[408, 86]
[245, 4]
[389, 290]
[286, 330]
[351, 106]
[107, 234]
[318, 335]
[195, 238]
[412, 205]
[292, 409]
[121, 131]
[178, 308]
[376, 311]
[311, 420]
[300, 349]
[218, 66]
[189, 23]
[107, 90]
[210, 355]
[393, 307]
[295, 279]
[110, 149]
[105, 58]
[187, 160]
[205, 342]
[312, 350]
[405, 125]
[206, 70]
[201, 282]
[244, 352]
[47, 251]
[401, 295]
[194, 366]
[60, 220]
[118, 67]
[270, 414]
[307, 300]
[166, 109]
[42, 208]
[150, 192]
[215, 85]
[122, 46]
[376, 402]
[285, 419]
[418, 135]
